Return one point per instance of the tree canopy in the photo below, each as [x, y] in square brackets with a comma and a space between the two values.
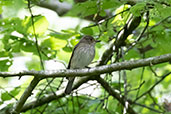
[131, 71]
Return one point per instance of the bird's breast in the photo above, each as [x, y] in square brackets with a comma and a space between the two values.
[83, 55]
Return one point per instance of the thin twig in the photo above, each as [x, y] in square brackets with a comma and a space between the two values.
[141, 78]
[151, 88]
[34, 33]
[160, 22]
[136, 88]
[102, 21]
[155, 103]
[152, 109]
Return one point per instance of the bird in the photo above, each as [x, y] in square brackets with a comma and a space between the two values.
[82, 55]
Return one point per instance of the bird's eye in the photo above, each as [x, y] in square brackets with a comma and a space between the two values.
[91, 39]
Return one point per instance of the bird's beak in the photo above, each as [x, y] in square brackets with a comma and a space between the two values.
[97, 41]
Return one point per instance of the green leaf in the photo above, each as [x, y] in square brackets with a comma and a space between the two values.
[163, 11]
[5, 96]
[28, 47]
[84, 9]
[10, 24]
[132, 54]
[64, 55]
[106, 4]
[4, 54]
[62, 36]
[15, 91]
[117, 85]
[102, 13]
[87, 31]
[137, 9]
[74, 42]
[67, 49]
[40, 24]
[61, 0]
[54, 43]
[161, 44]
[0, 9]
[9, 95]
[5, 64]
[1, 102]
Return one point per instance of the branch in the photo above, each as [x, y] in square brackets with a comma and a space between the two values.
[55, 5]
[51, 97]
[127, 65]
[34, 33]
[115, 94]
[25, 95]
[107, 19]
[47, 99]
[93, 71]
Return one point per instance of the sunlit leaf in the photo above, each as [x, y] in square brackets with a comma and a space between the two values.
[54, 43]
[40, 24]
[74, 42]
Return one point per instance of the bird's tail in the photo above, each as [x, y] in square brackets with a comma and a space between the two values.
[69, 85]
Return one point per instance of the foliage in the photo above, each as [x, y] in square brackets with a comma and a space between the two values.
[18, 38]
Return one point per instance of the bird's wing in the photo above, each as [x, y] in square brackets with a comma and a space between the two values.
[69, 65]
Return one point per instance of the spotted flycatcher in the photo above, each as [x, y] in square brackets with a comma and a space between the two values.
[81, 57]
